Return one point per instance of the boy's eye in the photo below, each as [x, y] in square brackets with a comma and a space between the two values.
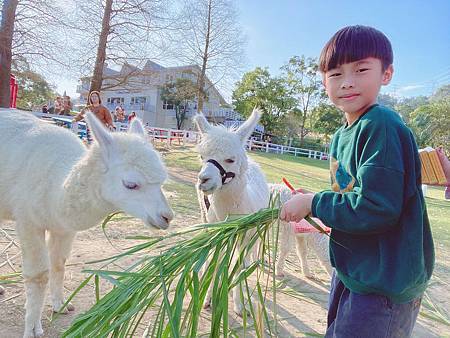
[334, 74]
[362, 70]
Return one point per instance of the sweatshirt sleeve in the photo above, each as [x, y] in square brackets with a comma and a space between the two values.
[370, 208]
[375, 204]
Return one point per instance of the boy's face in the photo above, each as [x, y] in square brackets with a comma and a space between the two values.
[354, 86]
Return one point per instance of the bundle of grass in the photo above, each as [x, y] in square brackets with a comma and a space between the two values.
[171, 285]
[165, 280]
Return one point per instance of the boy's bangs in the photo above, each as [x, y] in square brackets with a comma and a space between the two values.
[353, 44]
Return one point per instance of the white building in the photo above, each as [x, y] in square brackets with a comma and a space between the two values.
[139, 90]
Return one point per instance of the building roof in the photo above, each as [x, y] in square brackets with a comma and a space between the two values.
[150, 65]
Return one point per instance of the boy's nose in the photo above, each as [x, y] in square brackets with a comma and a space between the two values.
[347, 83]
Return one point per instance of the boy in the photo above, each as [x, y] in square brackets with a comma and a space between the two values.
[382, 248]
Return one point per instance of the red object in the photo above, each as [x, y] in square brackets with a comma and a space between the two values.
[289, 185]
[13, 89]
[304, 227]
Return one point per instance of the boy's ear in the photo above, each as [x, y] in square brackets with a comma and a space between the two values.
[387, 75]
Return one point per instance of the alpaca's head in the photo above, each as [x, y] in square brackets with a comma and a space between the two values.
[222, 147]
[131, 173]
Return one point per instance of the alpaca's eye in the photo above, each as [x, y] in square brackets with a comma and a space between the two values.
[229, 160]
[130, 185]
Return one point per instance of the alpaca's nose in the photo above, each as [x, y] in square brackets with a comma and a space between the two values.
[204, 180]
[167, 216]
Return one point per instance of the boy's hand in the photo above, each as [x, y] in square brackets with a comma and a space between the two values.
[445, 163]
[297, 208]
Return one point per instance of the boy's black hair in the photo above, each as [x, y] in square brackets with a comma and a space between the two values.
[353, 43]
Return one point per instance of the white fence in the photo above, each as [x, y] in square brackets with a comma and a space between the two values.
[173, 135]
[181, 137]
[281, 149]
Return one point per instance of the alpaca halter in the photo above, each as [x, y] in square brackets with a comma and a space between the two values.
[223, 173]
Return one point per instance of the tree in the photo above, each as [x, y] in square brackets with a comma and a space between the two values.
[258, 89]
[6, 37]
[179, 93]
[33, 89]
[31, 30]
[209, 36]
[431, 123]
[328, 119]
[116, 32]
[304, 84]
[441, 93]
[387, 100]
[407, 105]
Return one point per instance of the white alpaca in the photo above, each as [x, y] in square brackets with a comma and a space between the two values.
[246, 192]
[50, 182]
[316, 242]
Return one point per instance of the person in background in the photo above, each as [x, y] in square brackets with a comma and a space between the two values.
[132, 116]
[120, 116]
[45, 109]
[58, 105]
[67, 105]
[96, 107]
[446, 167]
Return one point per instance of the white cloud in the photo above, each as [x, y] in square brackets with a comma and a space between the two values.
[409, 88]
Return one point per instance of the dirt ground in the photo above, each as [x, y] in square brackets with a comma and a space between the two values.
[300, 316]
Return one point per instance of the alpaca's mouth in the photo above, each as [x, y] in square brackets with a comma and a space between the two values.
[162, 224]
[208, 191]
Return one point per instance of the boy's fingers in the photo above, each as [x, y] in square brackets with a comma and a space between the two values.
[282, 214]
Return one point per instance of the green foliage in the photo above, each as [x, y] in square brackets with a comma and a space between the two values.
[179, 93]
[387, 100]
[440, 94]
[328, 119]
[258, 88]
[34, 90]
[407, 105]
[431, 124]
[304, 83]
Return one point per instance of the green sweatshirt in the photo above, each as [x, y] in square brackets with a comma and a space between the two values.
[376, 209]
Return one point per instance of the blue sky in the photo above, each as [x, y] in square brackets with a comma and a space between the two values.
[419, 32]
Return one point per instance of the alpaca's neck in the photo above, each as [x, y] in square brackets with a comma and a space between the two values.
[82, 205]
[244, 195]
[232, 200]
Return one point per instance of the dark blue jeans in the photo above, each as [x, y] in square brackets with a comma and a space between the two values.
[351, 315]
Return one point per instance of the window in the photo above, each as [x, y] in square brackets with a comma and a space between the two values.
[138, 100]
[116, 100]
[167, 105]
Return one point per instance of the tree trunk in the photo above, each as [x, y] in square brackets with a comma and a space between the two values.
[201, 80]
[302, 128]
[97, 78]
[178, 116]
[6, 36]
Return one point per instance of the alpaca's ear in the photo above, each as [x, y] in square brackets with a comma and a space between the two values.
[202, 123]
[246, 129]
[137, 127]
[101, 135]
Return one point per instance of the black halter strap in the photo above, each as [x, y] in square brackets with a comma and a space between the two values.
[223, 173]
[207, 203]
